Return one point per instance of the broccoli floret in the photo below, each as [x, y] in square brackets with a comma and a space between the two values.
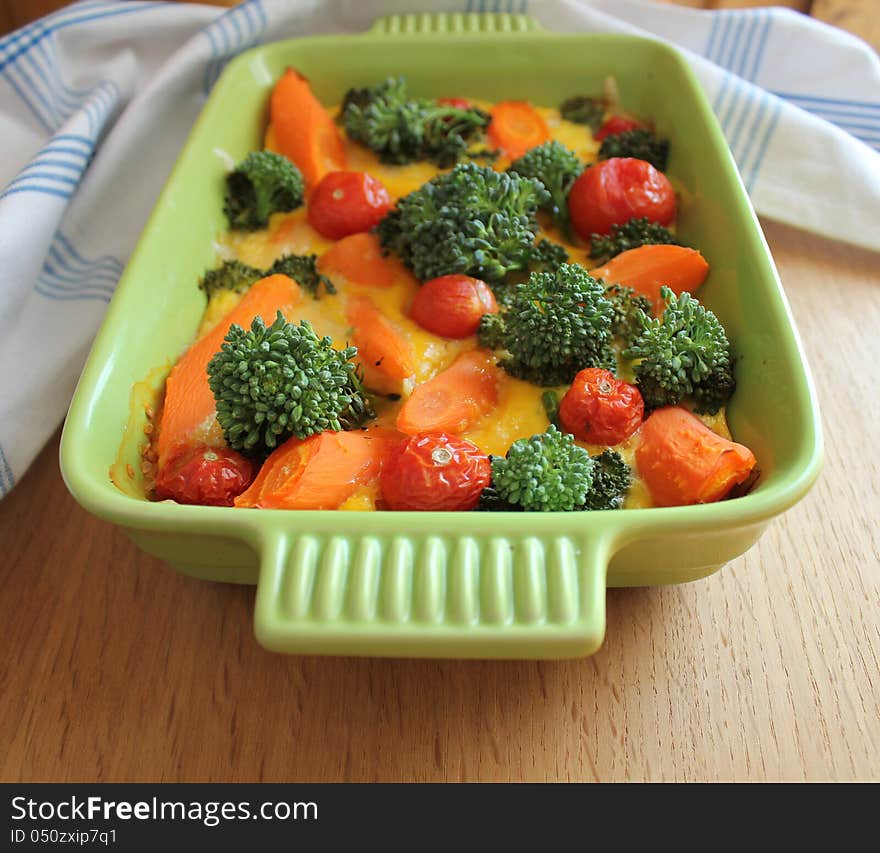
[547, 256]
[230, 275]
[582, 109]
[546, 473]
[557, 324]
[638, 143]
[303, 270]
[612, 478]
[402, 129]
[262, 184]
[557, 169]
[276, 382]
[629, 307]
[490, 332]
[684, 354]
[471, 220]
[632, 234]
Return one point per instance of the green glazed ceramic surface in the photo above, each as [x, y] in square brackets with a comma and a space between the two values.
[447, 584]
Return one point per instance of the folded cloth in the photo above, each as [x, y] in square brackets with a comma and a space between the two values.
[97, 99]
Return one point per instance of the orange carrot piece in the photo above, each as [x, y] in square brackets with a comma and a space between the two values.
[189, 403]
[303, 129]
[516, 127]
[358, 259]
[319, 472]
[380, 346]
[455, 398]
[647, 268]
[683, 462]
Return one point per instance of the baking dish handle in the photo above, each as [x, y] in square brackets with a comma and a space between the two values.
[454, 596]
[454, 24]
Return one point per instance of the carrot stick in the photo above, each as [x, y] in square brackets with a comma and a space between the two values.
[381, 348]
[319, 472]
[189, 404]
[647, 268]
[303, 130]
[358, 259]
[455, 398]
[683, 462]
[516, 127]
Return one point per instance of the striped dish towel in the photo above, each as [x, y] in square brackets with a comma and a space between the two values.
[97, 99]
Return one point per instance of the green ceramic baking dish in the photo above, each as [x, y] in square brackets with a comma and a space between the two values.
[481, 585]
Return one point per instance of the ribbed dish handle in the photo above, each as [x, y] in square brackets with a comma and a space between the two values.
[476, 22]
[433, 596]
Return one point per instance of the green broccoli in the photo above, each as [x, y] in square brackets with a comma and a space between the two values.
[638, 143]
[230, 275]
[632, 234]
[629, 307]
[582, 109]
[684, 354]
[556, 324]
[471, 220]
[557, 169]
[262, 184]
[491, 331]
[612, 478]
[547, 256]
[303, 270]
[547, 473]
[402, 129]
[273, 383]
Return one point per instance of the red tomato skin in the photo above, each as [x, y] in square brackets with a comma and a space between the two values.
[346, 203]
[615, 190]
[615, 125]
[451, 305]
[203, 475]
[458, 103]
[435, 472]
[601, 409]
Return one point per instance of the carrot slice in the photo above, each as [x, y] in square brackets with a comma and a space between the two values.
[189, 404]
[683, 462]
[380, 346]
[455, 398]
[647, 268]
[303, 130]
[319, 472]
[516, 127]
[358, 259]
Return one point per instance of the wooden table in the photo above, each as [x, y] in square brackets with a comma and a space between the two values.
[117, 668]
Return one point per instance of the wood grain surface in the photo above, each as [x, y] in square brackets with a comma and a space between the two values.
[116, 668]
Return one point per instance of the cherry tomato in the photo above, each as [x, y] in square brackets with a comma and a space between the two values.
[613, 191]
[615, 125]
[346, 203]
[458, 103]
[435, 471]
[199, 474]
[451, 305]
[601, 409]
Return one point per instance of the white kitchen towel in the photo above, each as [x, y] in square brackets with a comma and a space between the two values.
[97, 99]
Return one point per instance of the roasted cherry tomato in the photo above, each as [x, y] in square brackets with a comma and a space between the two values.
[198, 474]
[435, 471]
[458, 103]
[346, 203]
[613, 191]
[601, 409]
[615, 125]
[451, 305]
